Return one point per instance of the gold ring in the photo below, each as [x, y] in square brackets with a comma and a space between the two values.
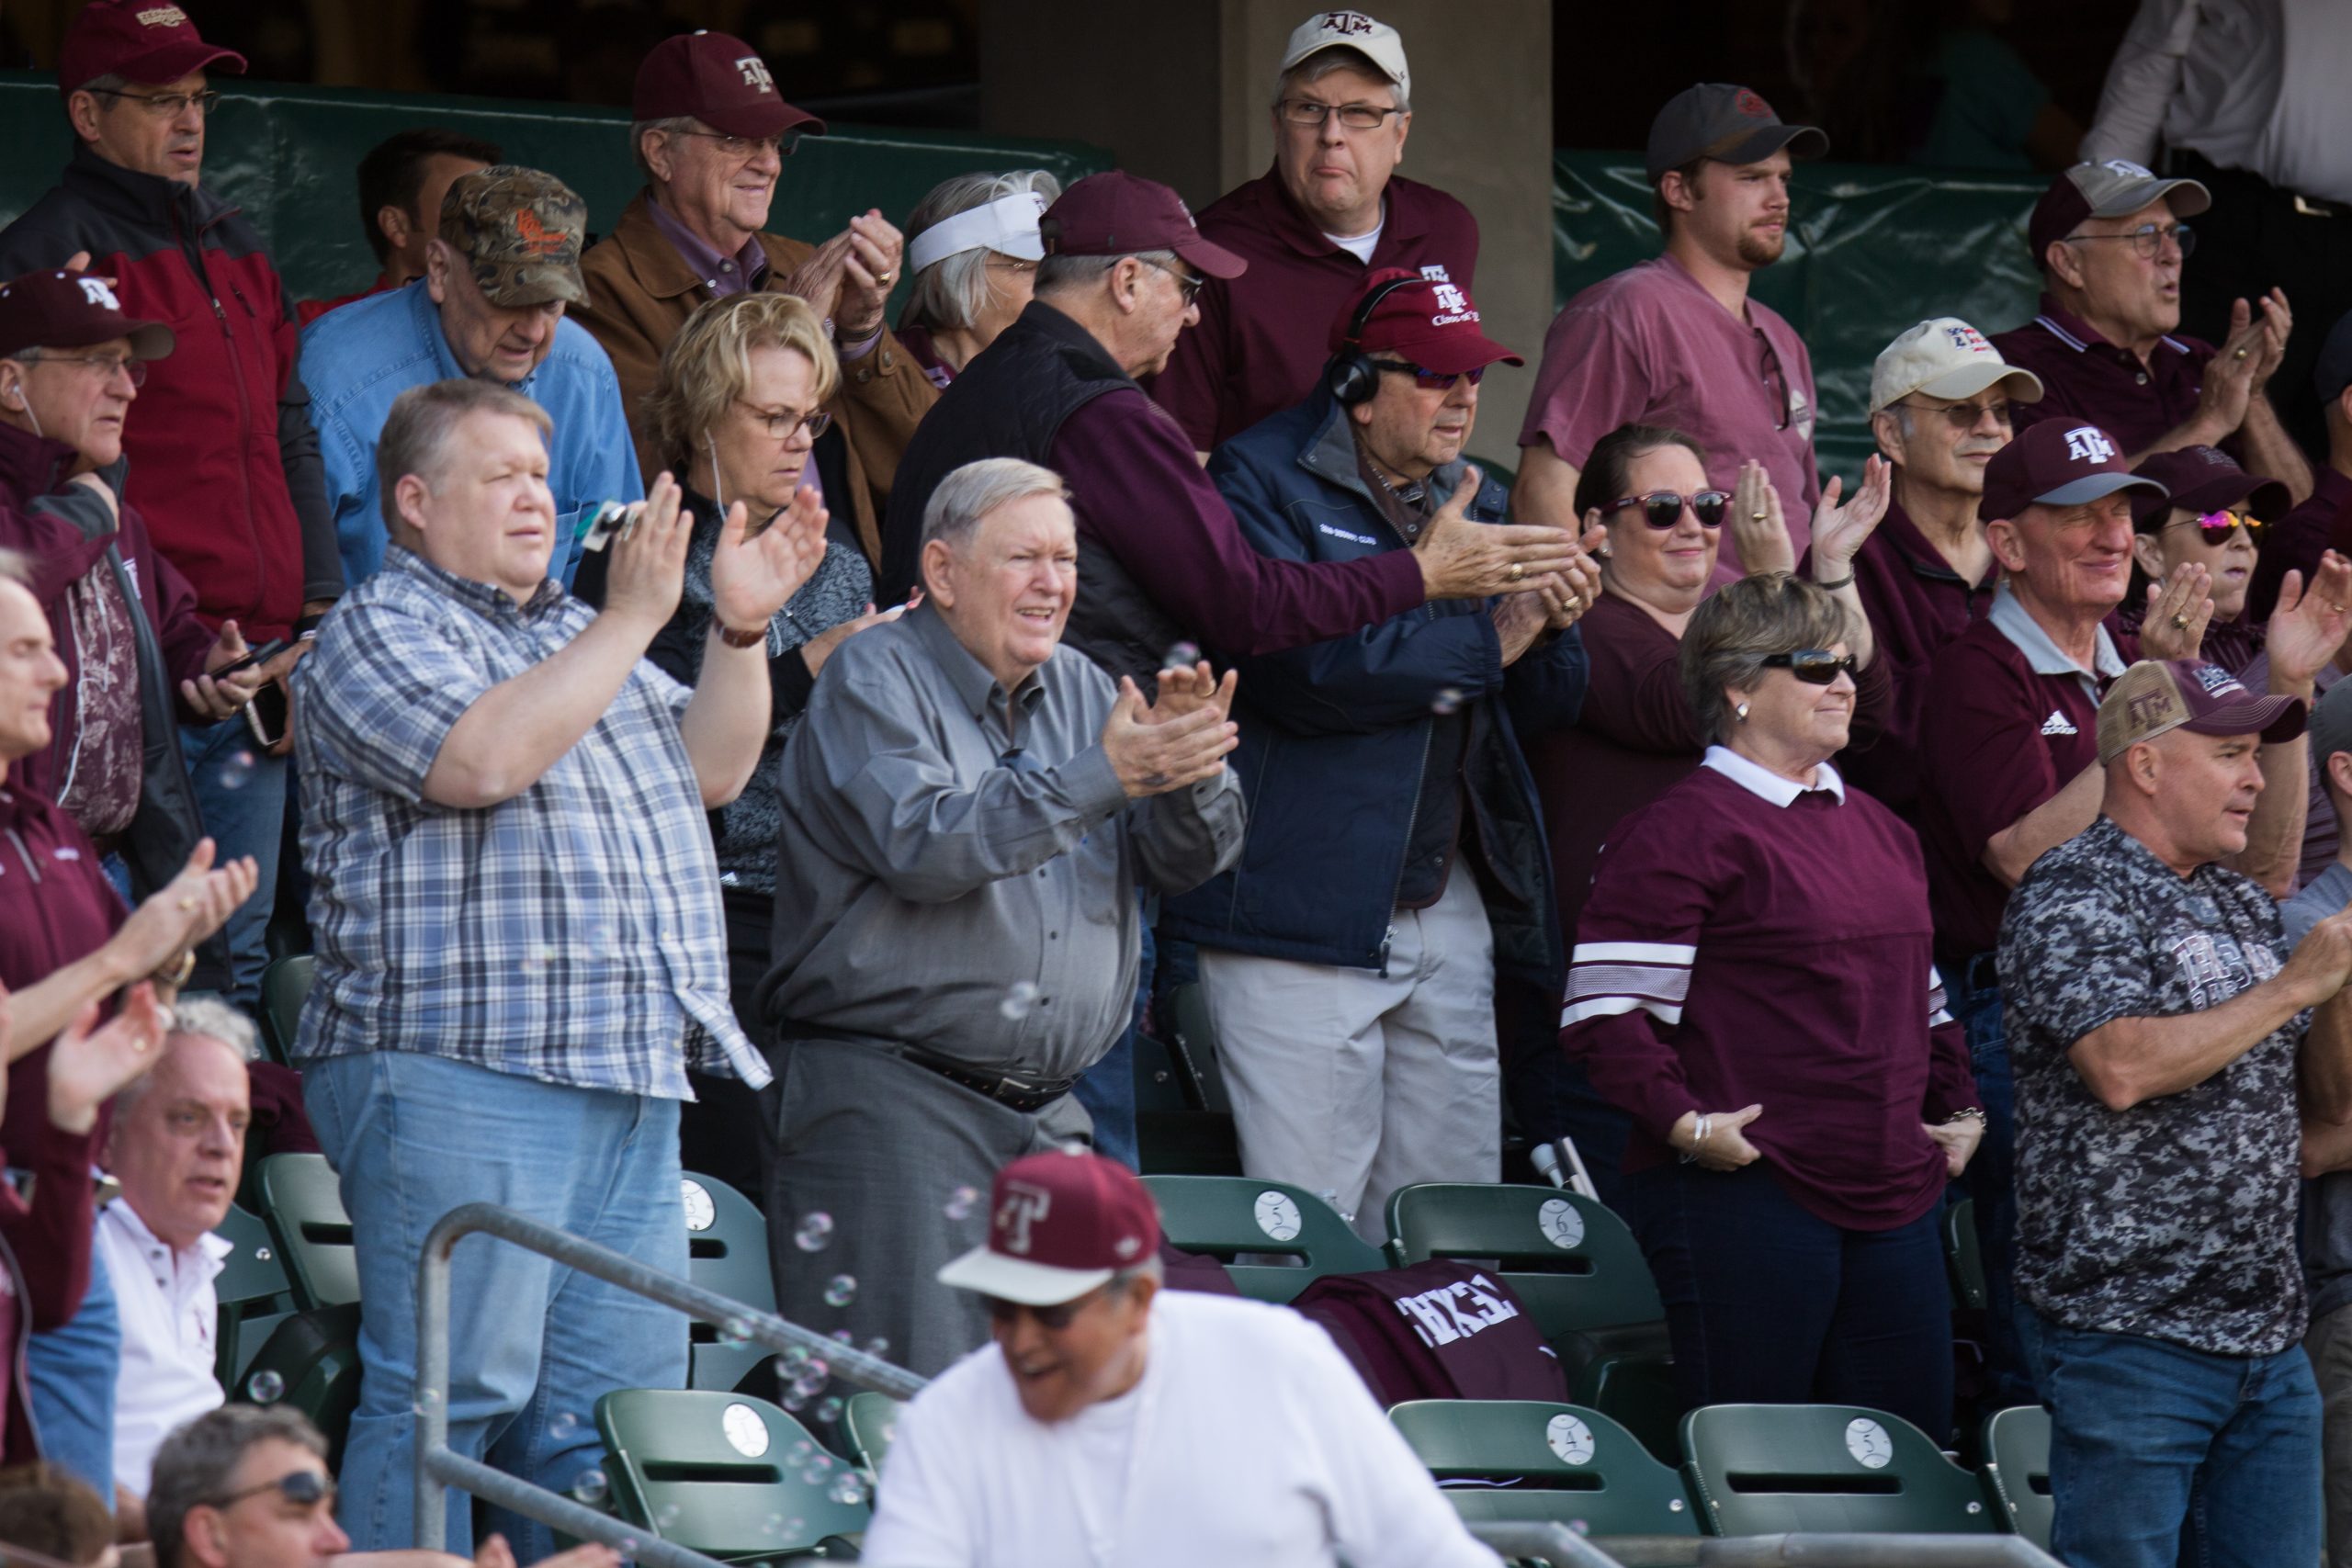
[1515, 573]
[887, 276]
[2180, 623]
[2239, 354]
[1756, 517]
[187, 904]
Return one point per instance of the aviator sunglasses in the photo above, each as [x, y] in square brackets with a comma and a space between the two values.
[1814, 666]
[2215, 527]
[1662, 509]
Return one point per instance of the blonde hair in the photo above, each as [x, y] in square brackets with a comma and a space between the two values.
[708, 365]
[1731, 633]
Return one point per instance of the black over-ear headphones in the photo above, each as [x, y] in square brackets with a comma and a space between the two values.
[1351, 376]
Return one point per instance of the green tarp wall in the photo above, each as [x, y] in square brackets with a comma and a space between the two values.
[1870, 251]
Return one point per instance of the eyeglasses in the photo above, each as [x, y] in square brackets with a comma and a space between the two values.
[1191, 283]
[1355, 117]
[1814, 666]
[1053, 1319]
[1962, 417]
[1662, 509]
[781, 423]
[2148, 238]
[164, 106]
[998, 262]
[1434, 381]
[742, 148]
[2215, 527]
[105, 364]
[307, 1488]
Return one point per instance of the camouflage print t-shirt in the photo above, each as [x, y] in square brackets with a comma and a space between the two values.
[2175, 1219]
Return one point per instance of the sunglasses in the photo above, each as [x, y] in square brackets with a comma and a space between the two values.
[2215, 527]
[1435, 380]
[1053, 1319]
[1662, 509]
[306, 1487]
[1814, 666]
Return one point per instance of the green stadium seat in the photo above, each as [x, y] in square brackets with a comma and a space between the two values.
[1961, 1256]
[304, 1201]
[1225, 1216]
[726, 1251]
[1193, 1043]
[871, 1421]
[1573, 1466]
[2016, 1446]
[254, 1291]
[1768, 1469]
[284, 984]
[726, 1474]
[1638, 1394]
[310, 1361]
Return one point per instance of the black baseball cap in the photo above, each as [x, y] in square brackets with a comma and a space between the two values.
[1728, 123]
[2333, 371]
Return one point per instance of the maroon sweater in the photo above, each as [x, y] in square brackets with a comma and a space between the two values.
[1739, 951]
[2298, 540]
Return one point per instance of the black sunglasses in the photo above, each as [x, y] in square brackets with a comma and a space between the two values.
[1053, 1319]
[2216, 526]
[1435, 380]
[1814, 666]
[307, 1487]
[1662, 509]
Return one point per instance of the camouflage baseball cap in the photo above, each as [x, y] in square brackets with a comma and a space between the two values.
[522, 231]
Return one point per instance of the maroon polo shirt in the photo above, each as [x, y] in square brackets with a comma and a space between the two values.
[2085, 378]
[2297, 541]
[1264, 337]
[1916, 604]
[2232, 645]
[1650, 344]
[2000, 737]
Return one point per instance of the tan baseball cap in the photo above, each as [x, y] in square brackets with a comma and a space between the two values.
[521, 231]
[1945, 357]
[1374, 40]
[2157, 695]
[2114, 188]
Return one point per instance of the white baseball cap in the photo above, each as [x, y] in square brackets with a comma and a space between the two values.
[1375, 41]
[1945, 357]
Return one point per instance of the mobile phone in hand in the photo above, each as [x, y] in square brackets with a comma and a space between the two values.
[261, 655]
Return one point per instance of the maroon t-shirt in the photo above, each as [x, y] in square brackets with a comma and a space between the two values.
[2085, 378]
[1650, 344]
[1263, 337]
[1740, 949]
[1435, 1330]
[2002, 736]
[2296, 541]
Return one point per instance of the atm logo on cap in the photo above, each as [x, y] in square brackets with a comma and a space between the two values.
[2089, 443]
[163, 17]
[95, 292]
[1352, 23]
[755, 74]
[1968, 340]
[1022, 1207]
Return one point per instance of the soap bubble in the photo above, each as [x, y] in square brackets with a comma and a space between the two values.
[563, 1426]
[816, 1229]
[1018, 1000]
[799, 1452]
[793, 1402]
[1448, 700]
[734, 1332]
[591, 1487]
[238, 771]
[847, 1489]
[877, 1347]
[1180, 656]
[846, 1337]
[961, 1202]
[817, 1468]
[840, 1290]
[816, 1368]
[262, 1254]
[773, 1527]
[266, 1387]
[667, 1516]
[829, 1411]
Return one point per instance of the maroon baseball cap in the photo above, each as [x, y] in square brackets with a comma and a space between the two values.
[1060, 1224]
[2115, 189]
[1117, 214]
[72, 309]
[1429, 320]
[2202, 479]
[2157, 695]
[139, 40]
[2056, 463]
[719, 80]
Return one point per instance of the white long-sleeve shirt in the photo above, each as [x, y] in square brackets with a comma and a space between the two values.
[2253, 84]
[1249, 1443]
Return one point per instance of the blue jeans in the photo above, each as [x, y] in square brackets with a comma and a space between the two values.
[1107, 1088]
[70, 1374]
[241, 793]
[1991, 1179]
[532, 1345]
[1768, 1304]
[2160, 1454]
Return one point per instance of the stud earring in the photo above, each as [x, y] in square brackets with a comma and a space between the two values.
[1740, 713]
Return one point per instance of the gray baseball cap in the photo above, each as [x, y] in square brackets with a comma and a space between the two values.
[1731, 124]
[2331, 727]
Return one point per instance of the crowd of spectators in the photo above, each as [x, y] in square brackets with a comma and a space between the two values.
[726, 732]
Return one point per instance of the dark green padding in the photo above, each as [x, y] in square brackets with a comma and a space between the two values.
[1220, 1215]
[726, 1251]
[1574, 1466]
[1767, 1469]
[304, 1205]
[253, 1289]
[284, 985]
[871, 1421]
[2017, 1467]
[679, 1469]
[310, 1361]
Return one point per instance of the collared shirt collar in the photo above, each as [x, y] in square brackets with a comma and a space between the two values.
[2080, 335]
[978, 690]
[1766, 784]
[1908, 541]
[483, 598]
[211, 1253]
[718, 271]
[2042, 653]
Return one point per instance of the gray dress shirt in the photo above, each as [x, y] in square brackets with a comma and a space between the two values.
[936, 890]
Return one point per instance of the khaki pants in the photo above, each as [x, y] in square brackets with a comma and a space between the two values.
[1352, 1084]
[2329, 1345]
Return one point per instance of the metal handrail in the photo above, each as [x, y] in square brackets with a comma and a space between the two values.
[439, 1466]
[1554, 1542]
[1872, 1550]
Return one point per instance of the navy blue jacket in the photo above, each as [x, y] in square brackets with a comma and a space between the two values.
[1334, 735]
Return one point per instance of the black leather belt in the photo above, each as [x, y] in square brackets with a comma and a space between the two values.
[1021, 1094]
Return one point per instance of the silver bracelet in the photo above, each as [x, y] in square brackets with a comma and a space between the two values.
[1699, 1131]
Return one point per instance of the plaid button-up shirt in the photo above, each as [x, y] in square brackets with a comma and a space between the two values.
[571, 934]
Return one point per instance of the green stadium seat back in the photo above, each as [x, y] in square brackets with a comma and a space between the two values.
[1571, 1465]
[1962, 1255]
[310, 1361]
[871, 1421]
[254, 1291]
[726, 1474]
[305, 1210]
[2017, 1469]
[1572, 1261]
[1638, 1394]
[1195, 1046]
[726, 1251]
[284, 984]
[1767, 1469]
[1227, 1216]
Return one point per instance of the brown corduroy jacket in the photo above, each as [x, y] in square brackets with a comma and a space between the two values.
[640, 291]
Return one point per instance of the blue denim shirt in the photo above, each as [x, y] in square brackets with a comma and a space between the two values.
[358, 357]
